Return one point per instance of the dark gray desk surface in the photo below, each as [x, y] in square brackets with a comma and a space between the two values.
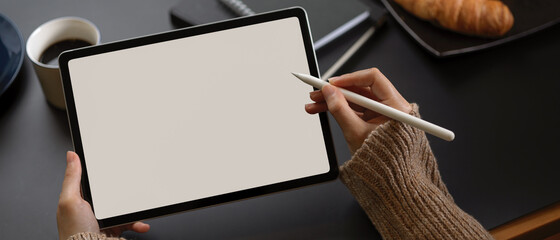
[502, 104]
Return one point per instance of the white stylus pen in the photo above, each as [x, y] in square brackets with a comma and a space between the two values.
[383, 109]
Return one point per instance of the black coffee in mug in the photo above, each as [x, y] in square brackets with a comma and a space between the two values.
[50, 55]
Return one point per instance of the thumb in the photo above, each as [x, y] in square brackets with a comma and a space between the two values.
[341, 111]
[72, 177]
[140, 227]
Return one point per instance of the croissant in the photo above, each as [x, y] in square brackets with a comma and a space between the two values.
[489, 18]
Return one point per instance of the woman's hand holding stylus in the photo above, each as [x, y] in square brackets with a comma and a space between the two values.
[357, 122]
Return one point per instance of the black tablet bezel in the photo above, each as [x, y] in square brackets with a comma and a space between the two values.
[183, 33]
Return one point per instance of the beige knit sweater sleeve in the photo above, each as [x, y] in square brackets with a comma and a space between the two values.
[395, 178]
[92, 236]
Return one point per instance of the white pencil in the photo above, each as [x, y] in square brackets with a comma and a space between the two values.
[383, 109]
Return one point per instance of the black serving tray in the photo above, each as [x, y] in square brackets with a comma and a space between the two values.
[530, 16]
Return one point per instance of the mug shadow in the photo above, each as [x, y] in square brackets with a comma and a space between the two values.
[61, 119]
[13, 95]
[17, 96]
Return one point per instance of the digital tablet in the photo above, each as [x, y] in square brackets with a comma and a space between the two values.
[196, 117]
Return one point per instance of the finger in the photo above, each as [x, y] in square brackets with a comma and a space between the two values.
[114, 231]
[72, 177]
[117, 230]
[313, 108]
[317, 96]
[357, 108]
[364, 91]
[361, 78]
[140, 227]
[321, 106]
[341, 111]
[380, 86]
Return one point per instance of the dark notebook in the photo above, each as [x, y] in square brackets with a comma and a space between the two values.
[328, 19]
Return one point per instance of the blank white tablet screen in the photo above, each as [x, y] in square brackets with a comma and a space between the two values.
[196, 117]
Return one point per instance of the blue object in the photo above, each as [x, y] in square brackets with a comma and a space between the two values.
[11, 52]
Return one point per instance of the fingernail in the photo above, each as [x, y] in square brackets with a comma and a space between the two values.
[334, 79]
[69, 157]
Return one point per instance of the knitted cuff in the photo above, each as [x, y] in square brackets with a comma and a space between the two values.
[92, 236]
[394, 177]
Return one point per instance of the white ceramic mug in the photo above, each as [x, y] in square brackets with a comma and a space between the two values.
[49, 33]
